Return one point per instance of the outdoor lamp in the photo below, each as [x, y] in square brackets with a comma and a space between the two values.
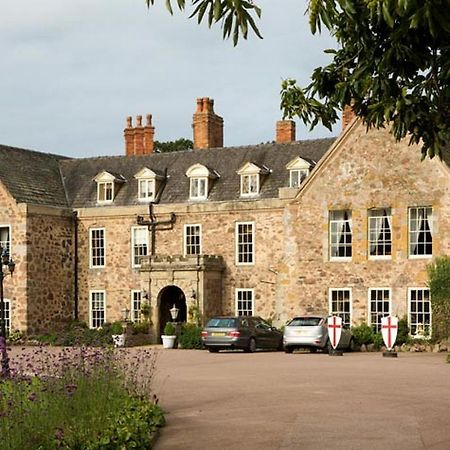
[174, 312]
[125, 313]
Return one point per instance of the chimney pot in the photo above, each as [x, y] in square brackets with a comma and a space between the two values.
[285, 131]
[207, 125]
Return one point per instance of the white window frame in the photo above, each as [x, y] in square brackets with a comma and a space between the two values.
[238, 244]
[104, 185]
[247, 311]
[147, 194]
[334, 223]
[248, 181]
[91, 248]
[91, 309]
[297, 176]
[411, 233]
[133, 244]
[186, 244]
[9, 243]
[375, 227]
[413, 326]
[341, 313]
[377, 313]
[8, 316]
[135, 313]
[198, 188]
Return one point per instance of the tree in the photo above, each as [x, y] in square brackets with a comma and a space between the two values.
[392, 65]
[174, 146]
[439, 284]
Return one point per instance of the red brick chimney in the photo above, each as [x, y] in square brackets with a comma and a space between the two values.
[347, 116]
[207, 125]
[285, 131]
[139, 139]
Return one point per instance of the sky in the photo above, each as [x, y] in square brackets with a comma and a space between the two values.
[72, 71]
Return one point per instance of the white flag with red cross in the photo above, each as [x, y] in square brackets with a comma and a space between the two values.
[334, 330]
[389, 327]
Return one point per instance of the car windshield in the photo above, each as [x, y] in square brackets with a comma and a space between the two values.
[305, 322]
[221, 322]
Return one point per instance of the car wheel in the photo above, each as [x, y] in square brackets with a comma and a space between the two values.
[288, 349]
[312, 349]
[251, 346]
[328, 347]
[212, 350]
[280, 346]
[351, 345]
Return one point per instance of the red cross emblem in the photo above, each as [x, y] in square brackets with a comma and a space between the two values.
[389, 327]
[334, 330]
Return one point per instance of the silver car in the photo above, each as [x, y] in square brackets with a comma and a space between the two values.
[311, 332]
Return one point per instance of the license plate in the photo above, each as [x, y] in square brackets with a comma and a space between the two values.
[218, 334]
[300, 332]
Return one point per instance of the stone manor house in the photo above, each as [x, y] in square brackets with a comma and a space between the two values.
[344, 226]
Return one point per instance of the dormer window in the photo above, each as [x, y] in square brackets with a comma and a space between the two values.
[250, 174]
[107, 184]
[148, 184]
[299, 169]
[200, 180]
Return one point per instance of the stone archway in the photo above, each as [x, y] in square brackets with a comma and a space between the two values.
[167, 298]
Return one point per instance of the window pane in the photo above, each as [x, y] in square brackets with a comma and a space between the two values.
[136, 306]
[140, 244]
[5, 239]
[420, 231]
[380, 233]
[192, 240]
[245, 245]
[97, 247]
[97, 309]
[340, 305]
[420, 312]
[379, 307]
[244, 302]
[340, 234]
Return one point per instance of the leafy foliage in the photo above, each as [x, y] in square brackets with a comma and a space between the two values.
[439, 284]
[173, 146]
[392, 64]
[169, 329]
[403, 331]
[363, 334]
[190, 336]
[235, 16]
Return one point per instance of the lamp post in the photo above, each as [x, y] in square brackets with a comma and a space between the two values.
[6, 262]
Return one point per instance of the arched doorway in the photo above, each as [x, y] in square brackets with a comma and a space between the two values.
[168, 297]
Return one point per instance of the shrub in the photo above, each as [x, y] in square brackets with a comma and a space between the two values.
[363, 334]
[190, 337]
[141, 327]
[439, 283]
[169, 329]
[378, 340]
[402, 332]
[116, 328]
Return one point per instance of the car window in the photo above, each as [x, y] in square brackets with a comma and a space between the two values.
[306, 322]
[244, 323]
[221, 322]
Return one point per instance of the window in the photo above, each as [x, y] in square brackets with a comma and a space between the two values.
[245, 243]
[419, 307]
[139, 245]
[379, 306]
[136, 306]
[97, 243]
[420, 232]
[249, 185]
[146, 189]
[380, 233]
[7, 306]
[192, 240]
[244, 302]
[199, 188]
[340, 234]
[297, 176]
[105, 191]
[5, 238]
[340, 305]
[97, 309]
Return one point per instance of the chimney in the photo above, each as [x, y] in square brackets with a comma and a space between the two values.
[139, 139]
[347, 116]
[285, 131]
[207, 125]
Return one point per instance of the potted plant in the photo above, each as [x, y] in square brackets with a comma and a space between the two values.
[169, 336]
[117, 334]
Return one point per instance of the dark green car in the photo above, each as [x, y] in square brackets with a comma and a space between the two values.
[246, 333]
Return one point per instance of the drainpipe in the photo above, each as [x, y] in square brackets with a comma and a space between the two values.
[75, 268]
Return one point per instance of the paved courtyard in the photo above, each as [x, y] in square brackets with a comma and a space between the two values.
[303, 401]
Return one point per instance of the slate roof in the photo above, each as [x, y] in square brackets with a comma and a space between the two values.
[78, 174]
[32, 177]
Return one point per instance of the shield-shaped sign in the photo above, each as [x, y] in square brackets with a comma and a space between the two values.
[334, 330]
[389, 327]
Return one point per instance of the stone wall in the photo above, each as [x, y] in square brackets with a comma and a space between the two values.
[365, 171]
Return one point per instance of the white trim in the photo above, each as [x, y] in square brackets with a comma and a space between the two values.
[199, 225]
[408, 300]
[369, 311]
[97, 291]
[147, 181]
[250, 194]
[410, 256]
[330, 290]
[101, 183]
[199, 180]
[330, 245]
[9, 226]
[236, 293]
[91, 266]
[9, 302]
[236, 241]
[132, 292]
[132, 239]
